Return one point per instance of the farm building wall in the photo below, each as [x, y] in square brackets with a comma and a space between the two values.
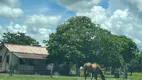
[9, 58]
[14, 60]
[5, 54]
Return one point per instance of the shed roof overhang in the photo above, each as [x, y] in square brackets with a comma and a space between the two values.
[30, 55]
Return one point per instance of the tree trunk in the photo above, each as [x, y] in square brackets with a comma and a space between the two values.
[120, 72]
[130, 71]
[125, 74]
[68, 68]
[77, 69]
[112, 71]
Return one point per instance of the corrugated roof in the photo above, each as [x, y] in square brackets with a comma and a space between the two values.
[30, 56]
[26, 49]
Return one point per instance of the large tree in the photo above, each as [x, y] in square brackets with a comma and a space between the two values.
[78, 40]
[18, 38]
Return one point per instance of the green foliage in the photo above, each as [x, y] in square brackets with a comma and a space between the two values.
[136, 64]
[18, 38]
[78, 40]
[135, 76]
[125, 47]
[140, 58]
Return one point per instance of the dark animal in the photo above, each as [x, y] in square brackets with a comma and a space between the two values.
[94, 68]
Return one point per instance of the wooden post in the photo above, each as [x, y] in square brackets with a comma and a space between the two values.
[51, 69]
[10, 71]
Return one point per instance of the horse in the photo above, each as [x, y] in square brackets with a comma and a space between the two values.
[94, 68]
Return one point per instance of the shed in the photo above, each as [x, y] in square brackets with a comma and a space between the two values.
[23, 58]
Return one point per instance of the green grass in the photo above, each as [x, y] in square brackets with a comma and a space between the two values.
[135, 76]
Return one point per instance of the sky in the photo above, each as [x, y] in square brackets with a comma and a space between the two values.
[39, 18]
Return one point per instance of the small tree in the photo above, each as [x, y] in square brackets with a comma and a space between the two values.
[18, 38]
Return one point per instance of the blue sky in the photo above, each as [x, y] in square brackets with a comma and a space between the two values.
[39, 18]
[45, 7]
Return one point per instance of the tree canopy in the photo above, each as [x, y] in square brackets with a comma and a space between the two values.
[18, 38]
[78, 40]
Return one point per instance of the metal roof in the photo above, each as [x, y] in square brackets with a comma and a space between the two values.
[31, 56]
[26, 49]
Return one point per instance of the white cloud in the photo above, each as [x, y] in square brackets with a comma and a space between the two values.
[78, 5]
[42, 21]
[97, 13]
[44, 31]
[40, 34]
[39, 26]
[37, 33]
[16, 28]
[119, 18]
[10, 3]
[133, 4]
[137, 41]
[10, 9]
[7, 12]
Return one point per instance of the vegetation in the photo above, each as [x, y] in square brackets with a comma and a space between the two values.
[78, 40]
[136, 64]
[136, 76]
[18, 38]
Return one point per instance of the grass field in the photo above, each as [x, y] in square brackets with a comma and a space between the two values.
[135, 76]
